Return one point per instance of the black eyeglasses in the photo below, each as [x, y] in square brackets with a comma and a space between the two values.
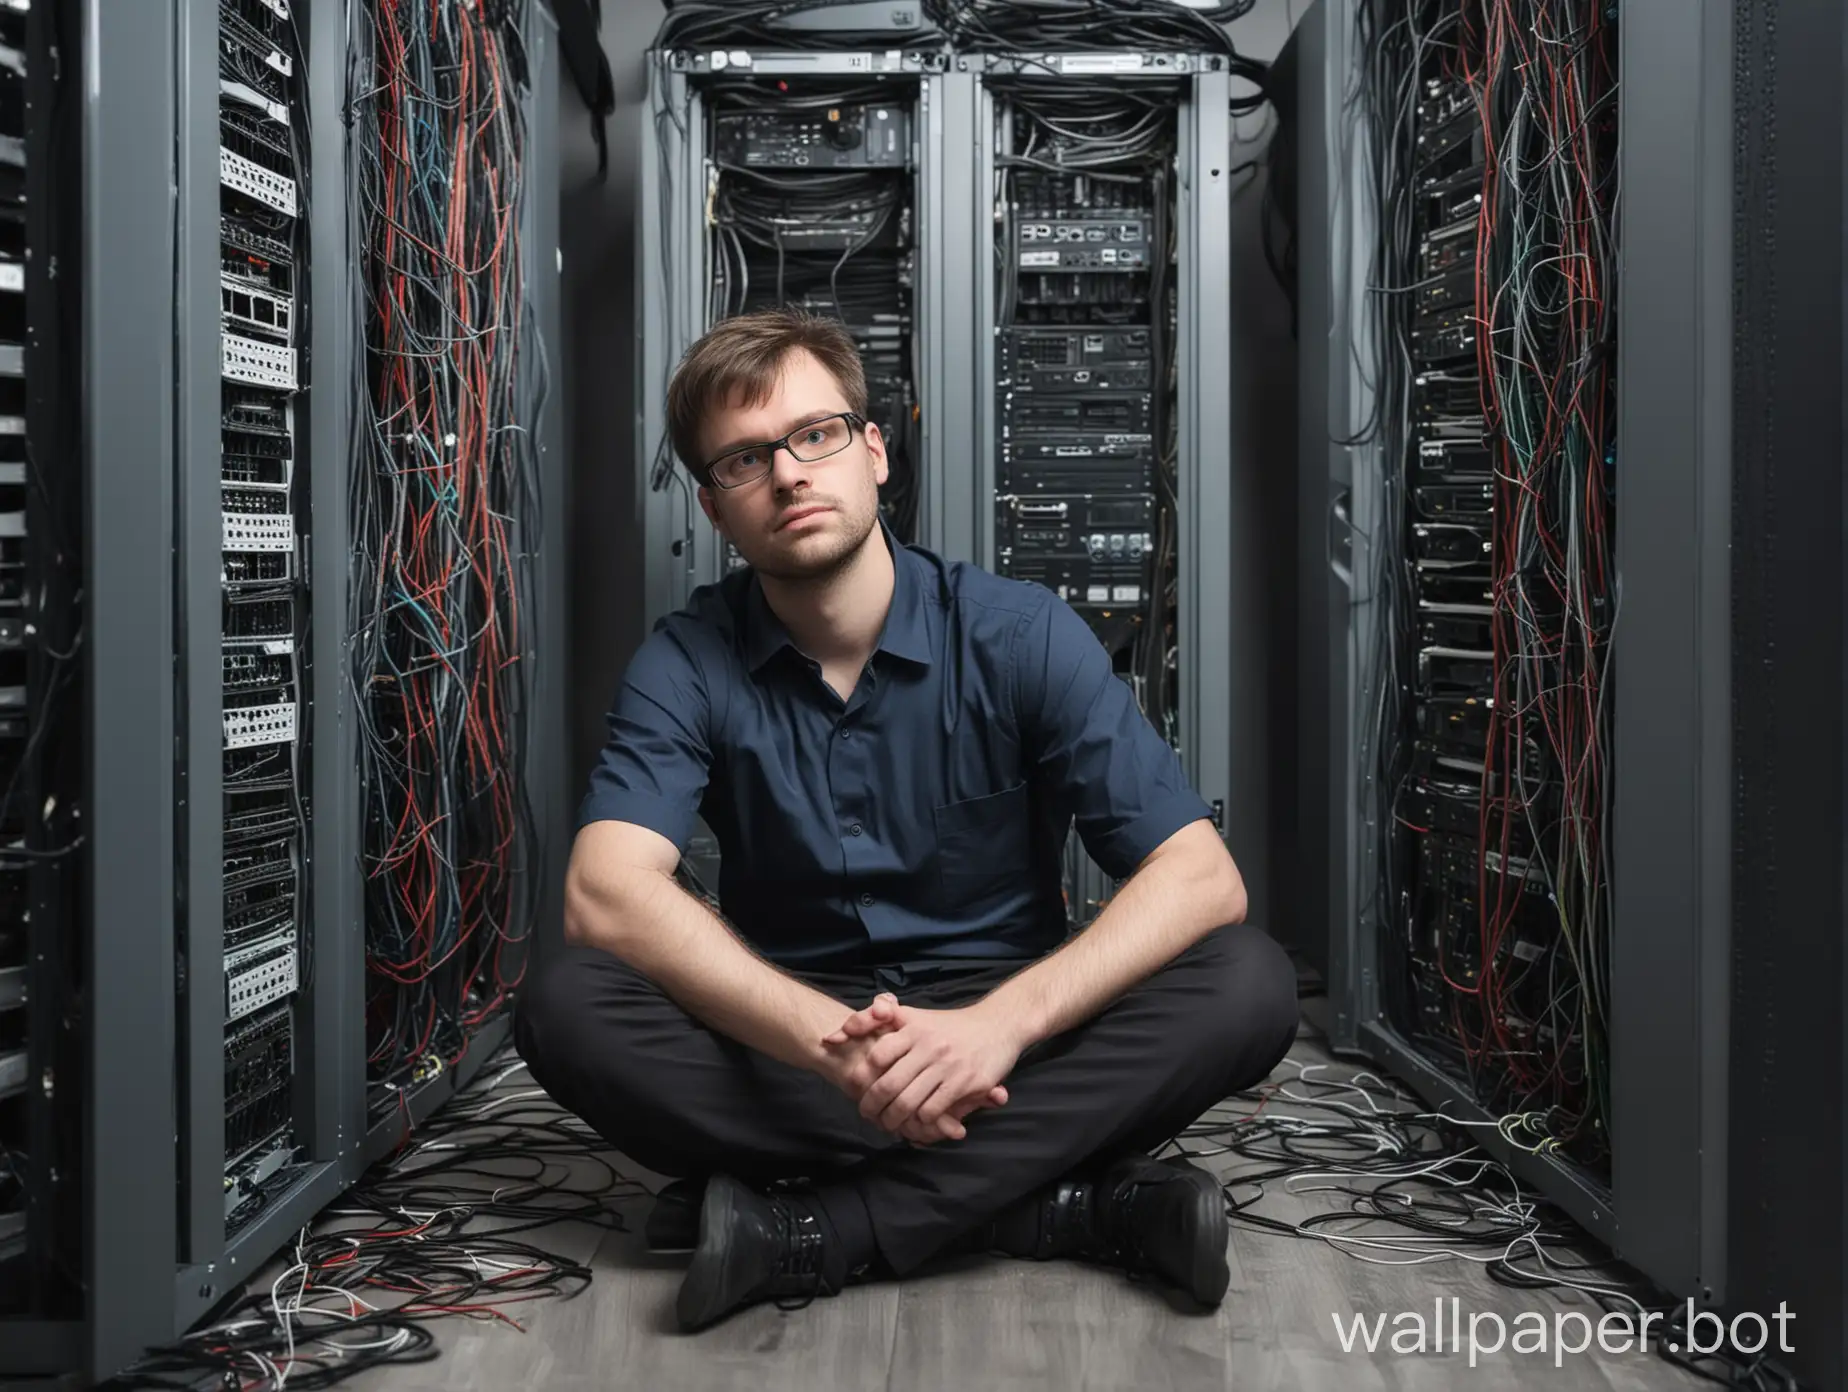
[809, 442]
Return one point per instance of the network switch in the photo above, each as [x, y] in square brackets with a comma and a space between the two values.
[832, 137]
[1075, 360]
[1085, 413]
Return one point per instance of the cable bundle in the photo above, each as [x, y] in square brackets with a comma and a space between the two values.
[1491, 408]
[444, 513]
[436, 1231]
[1117, 25]
[1545, 84]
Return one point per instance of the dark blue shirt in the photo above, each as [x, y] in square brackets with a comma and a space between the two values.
[923, 819]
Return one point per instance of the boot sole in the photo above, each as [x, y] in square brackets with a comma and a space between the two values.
[709, 1290]
[1212, 1273]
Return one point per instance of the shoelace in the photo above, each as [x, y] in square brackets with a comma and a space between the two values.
[1122, 1230]
[799, 1259]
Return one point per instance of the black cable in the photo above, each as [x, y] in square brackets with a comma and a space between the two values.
[1122, 25]
[435, 1231]
[698, 24]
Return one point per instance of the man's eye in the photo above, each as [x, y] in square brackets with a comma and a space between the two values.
[747, 460]
[816, 436]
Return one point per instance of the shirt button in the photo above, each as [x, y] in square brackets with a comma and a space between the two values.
[854, 830]
[866, 899]
[846, 734]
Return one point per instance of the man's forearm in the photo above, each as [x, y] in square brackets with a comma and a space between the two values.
[673, 939]
[1161, 911]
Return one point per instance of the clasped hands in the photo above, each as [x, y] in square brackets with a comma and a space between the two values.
[918, 1073]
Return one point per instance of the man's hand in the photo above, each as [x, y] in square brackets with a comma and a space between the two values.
[924, 1068]
[851, 1070]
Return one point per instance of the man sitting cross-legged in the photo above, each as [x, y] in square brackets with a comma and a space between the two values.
[891, 1046]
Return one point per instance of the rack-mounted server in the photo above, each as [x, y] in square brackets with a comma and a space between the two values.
[1105, 469]
[266, 830]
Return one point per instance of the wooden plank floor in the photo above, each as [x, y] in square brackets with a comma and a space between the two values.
[993, 1325]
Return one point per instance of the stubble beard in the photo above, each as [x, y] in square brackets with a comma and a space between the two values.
[808, 564]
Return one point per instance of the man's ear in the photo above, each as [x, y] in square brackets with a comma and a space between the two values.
[876, 450]
[709, 506]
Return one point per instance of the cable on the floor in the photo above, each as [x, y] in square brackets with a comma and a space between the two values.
[1418, 1189]
[432, 1232]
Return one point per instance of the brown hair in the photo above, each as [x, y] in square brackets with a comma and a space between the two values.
[743, 356]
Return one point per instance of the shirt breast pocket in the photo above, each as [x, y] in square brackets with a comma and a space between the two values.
[982, 847]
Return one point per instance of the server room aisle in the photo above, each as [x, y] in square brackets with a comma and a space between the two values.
[990, 1324]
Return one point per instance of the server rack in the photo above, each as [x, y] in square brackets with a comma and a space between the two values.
[1682, 936]
[1216, 609]
[1218, 604]
[679, 265]
[1674, 932]
[149, 1027]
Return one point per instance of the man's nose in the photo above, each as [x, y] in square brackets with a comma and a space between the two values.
[785, 468]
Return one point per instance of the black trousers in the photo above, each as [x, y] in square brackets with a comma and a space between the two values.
[683, 1100]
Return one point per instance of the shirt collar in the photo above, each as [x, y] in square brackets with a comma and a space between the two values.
[906, 633]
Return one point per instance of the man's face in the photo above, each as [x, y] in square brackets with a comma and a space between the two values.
[801, 521]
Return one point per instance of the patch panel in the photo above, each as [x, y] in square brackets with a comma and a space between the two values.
[259, 975]
[252, 725]
[253, 532]
[258, 363]
[261, 863]
[265, 186]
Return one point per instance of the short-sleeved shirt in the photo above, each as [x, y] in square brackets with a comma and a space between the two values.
[923, 819]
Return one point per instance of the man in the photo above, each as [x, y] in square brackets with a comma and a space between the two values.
[892, 1051]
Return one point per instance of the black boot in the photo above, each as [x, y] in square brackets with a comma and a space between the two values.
[1163, 1218]
[673, 1222]
[754, 1247]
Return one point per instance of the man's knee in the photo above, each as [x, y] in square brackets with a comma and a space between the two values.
[1251, 999]
[559, 1005]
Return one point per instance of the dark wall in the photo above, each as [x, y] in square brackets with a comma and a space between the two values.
[598, 249]
[1786, 1158]
[1264, 442]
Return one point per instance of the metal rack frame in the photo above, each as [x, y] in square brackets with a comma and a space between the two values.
[151, 426]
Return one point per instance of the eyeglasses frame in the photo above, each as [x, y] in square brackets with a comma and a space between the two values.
[854, 421]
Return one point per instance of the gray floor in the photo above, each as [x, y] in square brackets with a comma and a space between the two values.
[996, 1324]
